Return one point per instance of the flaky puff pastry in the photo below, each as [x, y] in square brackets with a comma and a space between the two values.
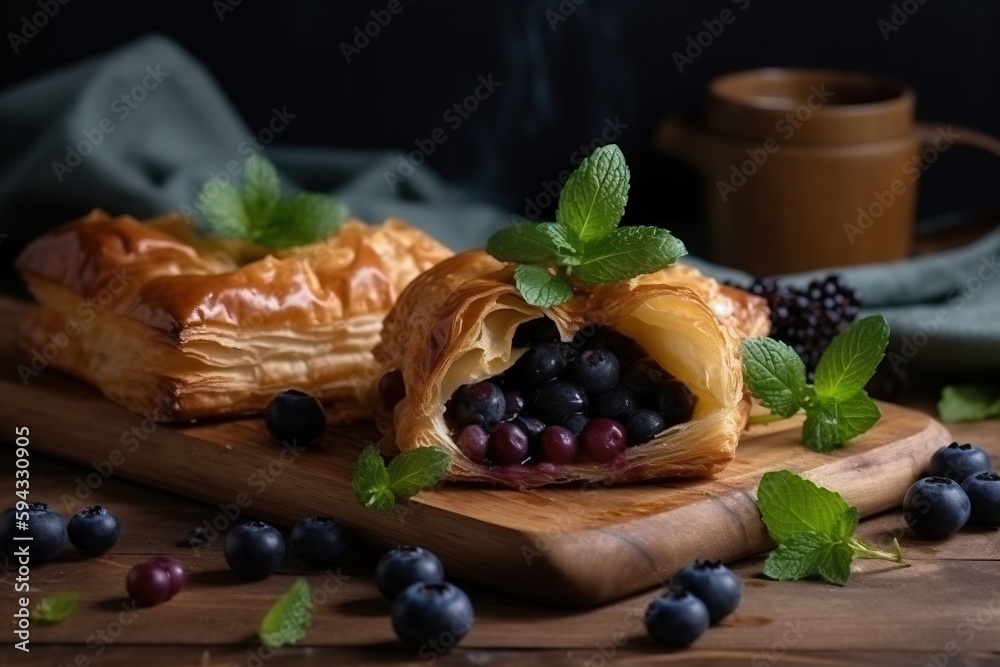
[176, 326]
[455, 325]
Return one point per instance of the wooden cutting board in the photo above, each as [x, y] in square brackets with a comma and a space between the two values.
[566, 546]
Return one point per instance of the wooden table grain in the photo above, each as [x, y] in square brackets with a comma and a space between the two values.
[943, 608]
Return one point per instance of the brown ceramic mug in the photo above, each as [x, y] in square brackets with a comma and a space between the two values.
[806, 169]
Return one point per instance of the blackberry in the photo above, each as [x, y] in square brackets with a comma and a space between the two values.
[808, 319]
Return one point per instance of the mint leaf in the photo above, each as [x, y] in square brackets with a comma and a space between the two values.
[54, 608]
[287, 621]
[260, 189]
[300, 219]
[541, 288]
[529, 243]
[417, 469]
[775, 374]
[849, 362]
[593, 199]
[371, 481]
[221, 209]
[969, 403]
[810, 554]
[628, 252]
[814, 530]
[830, 423]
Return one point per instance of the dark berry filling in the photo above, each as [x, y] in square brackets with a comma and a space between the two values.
[587, 400]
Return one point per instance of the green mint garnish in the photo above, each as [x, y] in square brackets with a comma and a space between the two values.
[585, 243]
[257, 212]
[814, 529]
[969, 403]
[55, 608]
[836, 405]
[288, 619]
[378, 487]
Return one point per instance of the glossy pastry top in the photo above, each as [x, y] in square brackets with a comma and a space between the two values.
[165, 275]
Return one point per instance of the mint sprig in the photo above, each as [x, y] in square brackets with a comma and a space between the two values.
[814, 528]
[287, 621]
[379, 487]
[969, 403]
[55, 608]
[584, 244]
[255, 211]
[836, 405]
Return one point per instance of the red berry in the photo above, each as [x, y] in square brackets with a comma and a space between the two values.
[558, 444]
[508, 444]
[148, 584]
[603, 439]
[473, 441]
[176, 571]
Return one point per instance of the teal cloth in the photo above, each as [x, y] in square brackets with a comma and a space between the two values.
[945, 316]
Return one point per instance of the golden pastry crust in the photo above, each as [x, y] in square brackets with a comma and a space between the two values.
[455, 325]
[176, 326]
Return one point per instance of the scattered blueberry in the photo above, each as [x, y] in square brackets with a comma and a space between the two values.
[558, 400]
[481, 403]
[94, 530]
[714, 584]
[473, 441]
[319, 542]
[643, 426]
[957, 461]
[404, 566]
[674, 401]
[540, 364]
[148, 584]
[432, 612]
[676, 618]
[616, 403]
[576, 423]
[254, 549]
[936, 507]
[558, 445]
[596, 371]
[391, 388]
[508, 444]
[983, 489]
[44, 526]
[295, 417]
[603, 439]
[175, 571]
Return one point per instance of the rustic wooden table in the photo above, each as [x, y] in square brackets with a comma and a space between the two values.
[941, 609]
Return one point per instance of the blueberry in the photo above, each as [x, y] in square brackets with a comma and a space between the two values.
[983, 489]
[558, 400]
[295, 417]
[957, 461]
[508, 444]
[676, 618]
[596, 371]
[481, 403]
[936, 507]
[714, 584]
[473, 441]
[318, 541]
[643, 426]
[436, 613]
[254, 549]
[514, 403]
[404, 566]
[642, 379]
[94, 530]
[44, 526]
[617, 403]
[576, 423]
[391, 388]
[603, 439]
[674, 401]
[540, 364]
[541, 330]
[558, 445]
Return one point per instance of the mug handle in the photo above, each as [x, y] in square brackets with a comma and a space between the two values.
[930, 135]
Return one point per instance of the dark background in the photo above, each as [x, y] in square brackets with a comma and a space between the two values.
[607, 59]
